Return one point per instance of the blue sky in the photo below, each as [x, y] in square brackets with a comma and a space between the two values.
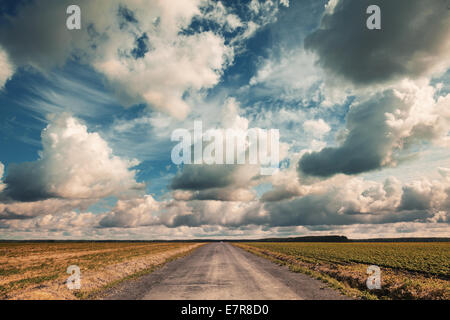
[86, 118]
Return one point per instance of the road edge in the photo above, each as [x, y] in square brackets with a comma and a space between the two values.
[104, 291]
[326, 279]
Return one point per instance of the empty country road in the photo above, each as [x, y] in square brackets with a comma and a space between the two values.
[219, 271]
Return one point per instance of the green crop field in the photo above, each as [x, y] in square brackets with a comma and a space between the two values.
[433, 258]
[409, 270]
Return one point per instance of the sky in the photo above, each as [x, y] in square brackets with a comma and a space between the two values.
[86, 118]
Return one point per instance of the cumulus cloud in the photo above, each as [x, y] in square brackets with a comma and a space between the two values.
[286, 184]
[380, 128]
[73, 164]
[149, 51]
[226, 182]
[413, 41]
[170, 77]
[140, 46]
[132, 213]
[356, 201]
[428, 195]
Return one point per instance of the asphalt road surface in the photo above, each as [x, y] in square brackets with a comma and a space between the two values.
[219, 271]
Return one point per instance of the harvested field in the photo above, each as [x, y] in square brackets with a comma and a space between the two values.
[39, 270]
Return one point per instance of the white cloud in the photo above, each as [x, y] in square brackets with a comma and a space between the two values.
[317, 128]
[74, 164]
[289, 75]
[221, 15]
[284, 3]
[329, 7]
[6, 68]
[145, 49]
[173, 66]
[356, 201]
[132, 213]
[230, 116]
[139, 46]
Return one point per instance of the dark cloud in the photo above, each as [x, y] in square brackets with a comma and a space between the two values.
[224, 194]
[279, 193]
[326, 209]
[368, 144]
[413, 41]
[25, 182]
[201, 177]
[38, 36]
[382, 131]
[415, 199]
[228, 182]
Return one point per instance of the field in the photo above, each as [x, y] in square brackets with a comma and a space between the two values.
[39, 270]
[408, 270]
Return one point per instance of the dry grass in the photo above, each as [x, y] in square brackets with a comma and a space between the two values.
[408, 270]
[38, 270]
